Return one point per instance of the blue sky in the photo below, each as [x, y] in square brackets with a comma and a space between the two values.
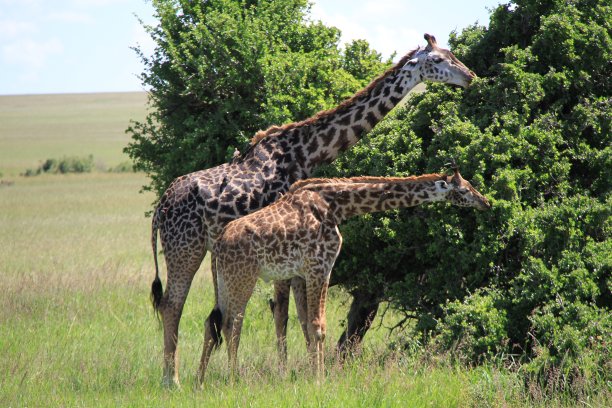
[68, 46]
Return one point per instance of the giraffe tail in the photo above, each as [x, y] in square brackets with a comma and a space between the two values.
[156, 288]
[214, 320]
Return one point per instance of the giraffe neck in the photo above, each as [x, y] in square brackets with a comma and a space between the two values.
[362, 195]
[321, 138]
[346, 126]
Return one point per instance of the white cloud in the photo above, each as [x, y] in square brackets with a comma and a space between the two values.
[404, 40]
[70, 17]
[20, 2]
[96, 3]
[30, 55]
[386, 32]
[11, 28]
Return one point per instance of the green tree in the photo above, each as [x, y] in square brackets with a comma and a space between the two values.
[223, 69]
[531, 277]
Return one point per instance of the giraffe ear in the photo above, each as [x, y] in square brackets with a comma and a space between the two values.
[457, 179]
[411, 64]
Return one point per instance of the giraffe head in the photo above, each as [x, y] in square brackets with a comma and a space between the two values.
[458, 191]
[436, 64]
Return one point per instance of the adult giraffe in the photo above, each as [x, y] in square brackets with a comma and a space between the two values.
[195, 207]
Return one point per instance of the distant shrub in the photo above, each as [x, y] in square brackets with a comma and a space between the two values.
[49, 166]
[123, 167]
[67, 164]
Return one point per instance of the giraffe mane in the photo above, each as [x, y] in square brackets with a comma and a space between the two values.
[274, 129]
[313, 182]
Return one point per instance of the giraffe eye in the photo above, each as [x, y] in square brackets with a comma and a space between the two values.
[437, 60]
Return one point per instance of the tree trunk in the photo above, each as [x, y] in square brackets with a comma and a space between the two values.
[360, 316]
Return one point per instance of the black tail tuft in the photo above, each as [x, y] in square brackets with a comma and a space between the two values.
[272, 304]
[215, 320]
[157, 292]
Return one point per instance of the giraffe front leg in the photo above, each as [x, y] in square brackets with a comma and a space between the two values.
[280, 311]
[316, 293]
[233, 336]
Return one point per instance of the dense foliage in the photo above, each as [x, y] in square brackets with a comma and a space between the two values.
[529, 280]
[223, 69]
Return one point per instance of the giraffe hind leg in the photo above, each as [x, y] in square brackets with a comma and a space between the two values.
[212, 340]
[181, 270]
[234, 289]
[239, 296]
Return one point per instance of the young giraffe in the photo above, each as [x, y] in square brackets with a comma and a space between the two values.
[297, 236]
[195, 207]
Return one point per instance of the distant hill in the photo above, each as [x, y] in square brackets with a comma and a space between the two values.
[34, 128]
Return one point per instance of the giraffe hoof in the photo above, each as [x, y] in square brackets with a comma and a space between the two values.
[170, 383]
[319, 335]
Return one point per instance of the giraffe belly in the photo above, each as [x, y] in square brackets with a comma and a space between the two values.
[287, 269]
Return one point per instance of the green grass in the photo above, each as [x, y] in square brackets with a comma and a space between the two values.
[38, 127]
[77, 328]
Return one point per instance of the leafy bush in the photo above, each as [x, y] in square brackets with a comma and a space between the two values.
[531, 277]
[474, 329]
[224, 69]
[123, 167]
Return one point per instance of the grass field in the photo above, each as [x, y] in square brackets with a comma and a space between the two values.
[37, 127]
[76, 325]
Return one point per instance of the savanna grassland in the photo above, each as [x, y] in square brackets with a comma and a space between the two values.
[76, 324]
[36, 127]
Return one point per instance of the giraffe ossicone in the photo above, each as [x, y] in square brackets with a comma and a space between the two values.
[194, 209]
